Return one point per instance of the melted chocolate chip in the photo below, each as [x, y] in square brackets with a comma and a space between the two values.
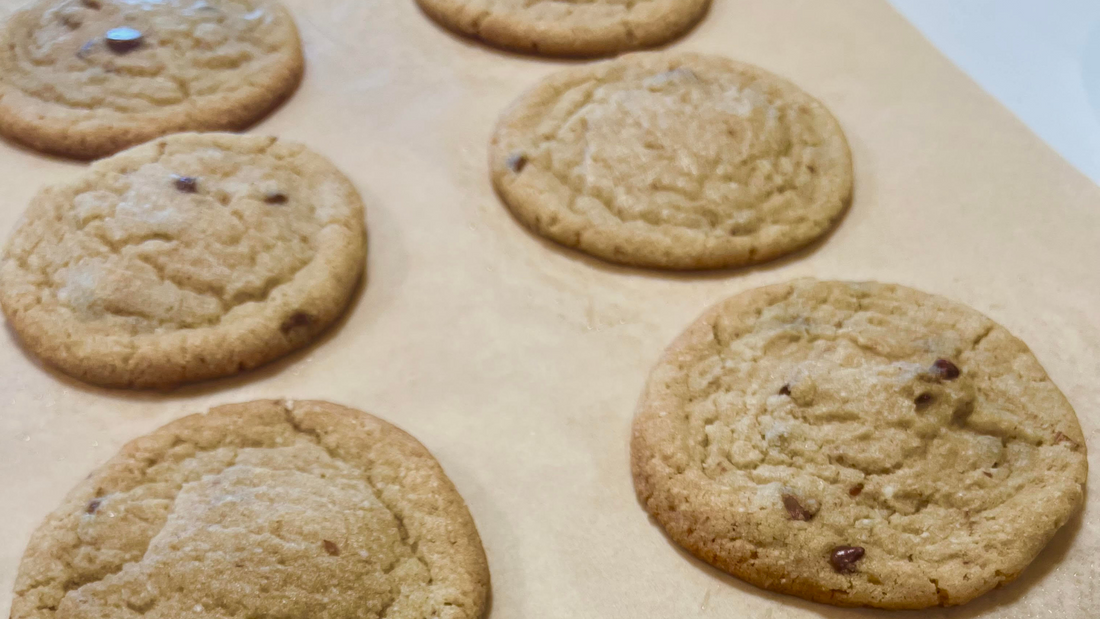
[795, 509]
[86, 49]
[516, 162]
[945, 370]
[296, 320]
[844, 558]
[187, 184]
[124, 39]
[785, 389]
[93, 505]
[987, 474]
[923, 399]
[331, 548]
[855, 490]
[275, 197]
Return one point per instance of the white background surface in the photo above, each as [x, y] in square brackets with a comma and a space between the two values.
[1041, 58]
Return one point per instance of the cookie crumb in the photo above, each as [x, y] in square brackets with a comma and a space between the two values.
[844, 558]
[331, 547]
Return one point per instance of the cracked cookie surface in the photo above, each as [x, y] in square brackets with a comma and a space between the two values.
[190, 257]
[670, 160]
[261, 509]
[568, 27]
[857, 444]
[87, 78]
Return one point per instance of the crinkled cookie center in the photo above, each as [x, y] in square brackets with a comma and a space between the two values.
[135, 55]
[286, 531]
[182, 241]
[678, 149]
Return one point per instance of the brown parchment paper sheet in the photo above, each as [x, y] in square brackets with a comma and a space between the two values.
[519, 364]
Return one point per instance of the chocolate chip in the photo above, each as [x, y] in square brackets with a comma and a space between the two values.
[923, 399]
[1062, 438]
[297, 319]
[844, 558]
[945, 370]
[275, 197]
[795, 509]
[331, 548]
[987, 474]
[516, 162]
[93, 505]
[785, 389]
[855, 490]
[124, 39]
[92, 4]
[187, 184]
[86, 49]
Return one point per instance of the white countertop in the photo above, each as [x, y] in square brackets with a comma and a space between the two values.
[1040, 58]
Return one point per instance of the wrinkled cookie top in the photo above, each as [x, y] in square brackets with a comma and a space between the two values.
[722, 162]
[256, 510]
[135, 56]
[858, 443]
[179, 234]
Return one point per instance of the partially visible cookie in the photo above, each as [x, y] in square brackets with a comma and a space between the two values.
[568, 27]
[857, 444]
[191, 257]
[88, 78]
[670, 160]
[262, 509]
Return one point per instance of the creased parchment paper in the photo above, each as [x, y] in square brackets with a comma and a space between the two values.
[519, 364]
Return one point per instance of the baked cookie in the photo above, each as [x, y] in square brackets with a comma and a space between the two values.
[669, 160]
[191, 257]
[857, 444]
[88, 78]
[263, 509]
[568, 27]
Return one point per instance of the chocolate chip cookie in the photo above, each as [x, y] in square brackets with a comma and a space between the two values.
[857, 444]
[87, 78]
[263, 509]
[671, 160]
[190, 257]
[568, 27]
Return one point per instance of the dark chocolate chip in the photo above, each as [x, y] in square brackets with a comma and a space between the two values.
[93, 505]
[331, 548]
[844, 558]
[923, 399]
[516, 162]
[795, 509]
[92, 4]
[187, 184]
[855, 490]
[945, 370]
[124, 39]
[785, 389]
[275, 197]
[987, 473]
[86, 49]
[297, 319]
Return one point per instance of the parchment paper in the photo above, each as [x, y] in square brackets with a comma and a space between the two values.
[519, 364]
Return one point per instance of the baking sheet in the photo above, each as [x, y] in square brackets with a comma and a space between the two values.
[519, 363]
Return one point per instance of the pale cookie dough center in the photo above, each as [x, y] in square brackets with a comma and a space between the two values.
[677, 149]
[287, 531]
[158, 252]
